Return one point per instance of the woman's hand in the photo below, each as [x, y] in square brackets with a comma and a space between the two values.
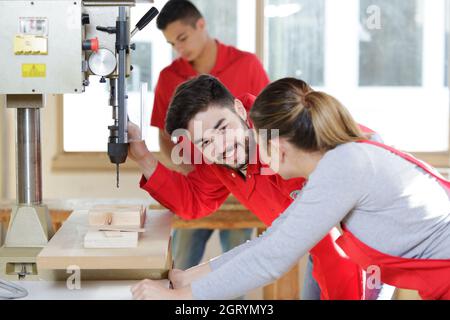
[181, 281]
[155, 290]
[180, 278]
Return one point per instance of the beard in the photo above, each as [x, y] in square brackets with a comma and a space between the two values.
[238, 165]
[246, 146]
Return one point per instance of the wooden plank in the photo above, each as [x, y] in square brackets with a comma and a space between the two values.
[66, 247]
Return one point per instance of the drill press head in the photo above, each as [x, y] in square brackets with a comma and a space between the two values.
[115, 65]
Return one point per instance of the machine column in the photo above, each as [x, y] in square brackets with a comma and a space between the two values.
[28, 153]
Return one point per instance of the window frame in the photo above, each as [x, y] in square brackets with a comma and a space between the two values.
[4, 137]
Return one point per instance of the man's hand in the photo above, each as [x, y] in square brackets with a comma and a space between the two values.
[155, 290]
[139, 153]
[137, 149]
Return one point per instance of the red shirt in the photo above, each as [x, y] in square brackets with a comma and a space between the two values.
[241, 72]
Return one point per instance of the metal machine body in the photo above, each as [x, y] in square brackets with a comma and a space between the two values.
[52, 47]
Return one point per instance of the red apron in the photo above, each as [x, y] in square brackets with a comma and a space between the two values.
[431, 278]
[338, 277]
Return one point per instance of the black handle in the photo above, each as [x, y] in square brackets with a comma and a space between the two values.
[109, 30]
[147, 18]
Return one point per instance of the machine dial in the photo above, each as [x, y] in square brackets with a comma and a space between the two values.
[102, 63]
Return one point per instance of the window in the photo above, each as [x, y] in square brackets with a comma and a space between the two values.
[233, 22]
[394, 56]
[219, 14]
[382, 58]
[87, 116]
[295, 39]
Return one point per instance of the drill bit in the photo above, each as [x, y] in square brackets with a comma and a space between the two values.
[117, 177]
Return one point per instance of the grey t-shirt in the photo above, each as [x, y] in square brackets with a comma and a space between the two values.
[388, 203]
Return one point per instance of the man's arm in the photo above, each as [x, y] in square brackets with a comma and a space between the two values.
[165, 156]
[194, 196]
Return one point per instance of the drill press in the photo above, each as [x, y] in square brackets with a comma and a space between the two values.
[118, 139]
[52, 47]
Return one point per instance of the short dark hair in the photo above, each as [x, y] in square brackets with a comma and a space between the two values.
[195, 96]
[175, 10]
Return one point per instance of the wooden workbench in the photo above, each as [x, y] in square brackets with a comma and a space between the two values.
[231, 215]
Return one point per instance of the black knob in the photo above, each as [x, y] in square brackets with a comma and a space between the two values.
[133, 46]
[85, 19]
[102, 80]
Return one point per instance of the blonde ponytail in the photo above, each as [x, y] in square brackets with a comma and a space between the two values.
[333, 124]
[311, 120]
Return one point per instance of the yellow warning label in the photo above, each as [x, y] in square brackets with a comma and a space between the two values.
[30, 45]
[34, 70]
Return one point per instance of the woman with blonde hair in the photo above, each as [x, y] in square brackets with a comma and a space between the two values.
[394, 209]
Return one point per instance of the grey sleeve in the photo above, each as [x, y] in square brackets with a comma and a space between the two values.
[219, 261]
[333, 190]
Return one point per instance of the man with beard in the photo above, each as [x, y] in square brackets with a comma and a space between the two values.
[207, 115]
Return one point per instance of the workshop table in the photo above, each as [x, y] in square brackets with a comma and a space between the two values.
[89, 290]
[231, 215]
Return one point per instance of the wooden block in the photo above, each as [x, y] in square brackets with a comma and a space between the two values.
[152, 253]
[124, 216]
[108, 222]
